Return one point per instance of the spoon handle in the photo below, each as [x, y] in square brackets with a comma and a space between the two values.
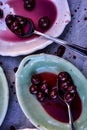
[70, 118]
[79, 49]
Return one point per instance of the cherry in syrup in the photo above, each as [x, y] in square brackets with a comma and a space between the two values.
[36, 79]
[51, 102]
[41, 96]
[44, 87]
[33, 89]
[44, 22]
[29, 4]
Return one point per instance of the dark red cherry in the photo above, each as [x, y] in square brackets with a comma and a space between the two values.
[36, 79]
[15, 26]
[60, 51]
[44, 87]
[68, 97]
[29, 4]
[64, 86]
[41, 96]
[12, 127]
[72, 89]
[33, 89]
[53, 94]
[22, 21]
[63, 76]
[44, 22]
[9, 19]
[19, 31]
[1, 13]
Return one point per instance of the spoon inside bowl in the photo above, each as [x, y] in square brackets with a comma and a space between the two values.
[24, 27]
[67, 98]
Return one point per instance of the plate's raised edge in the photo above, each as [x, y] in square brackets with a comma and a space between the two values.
[43, 55]
[6, 95]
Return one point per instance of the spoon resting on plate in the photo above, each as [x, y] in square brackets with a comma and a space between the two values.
[66, 93]
[67, 100]
[24, 27]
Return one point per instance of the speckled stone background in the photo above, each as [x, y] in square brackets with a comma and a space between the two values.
[75, 32]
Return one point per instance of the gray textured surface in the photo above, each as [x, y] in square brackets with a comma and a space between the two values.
[75, 32]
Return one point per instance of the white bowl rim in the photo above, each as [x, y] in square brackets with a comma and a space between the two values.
[11, 49]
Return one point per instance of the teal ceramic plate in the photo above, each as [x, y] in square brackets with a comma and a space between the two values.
[29, 104]
[4, 96]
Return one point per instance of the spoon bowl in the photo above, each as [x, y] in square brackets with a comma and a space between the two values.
[27, 29]
[67, 98]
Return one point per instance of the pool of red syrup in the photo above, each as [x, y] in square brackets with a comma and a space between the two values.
[42, 8]
[56, 108]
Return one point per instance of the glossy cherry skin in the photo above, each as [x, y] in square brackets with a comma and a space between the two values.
[41, 96]
[64, 76]
[33, 89]
[68, 97]
[19, 31]
[9, 19]
[44, 87]
[72, 89]
[29, 4]
[16, 28]
[61, 51]
[22, 21]
[64, 86]
[53, 94]
[44, 22]
[36, 79]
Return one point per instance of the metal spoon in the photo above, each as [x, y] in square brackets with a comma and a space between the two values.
[67, 102]
[31, 30]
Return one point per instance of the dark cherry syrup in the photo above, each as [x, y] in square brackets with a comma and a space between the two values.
[41, 8]
[47, 95]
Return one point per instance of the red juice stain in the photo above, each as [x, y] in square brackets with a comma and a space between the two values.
[75, 10]
[56, 108]
[78, 21]
[12, 127]
[13, 82]
[12, 86]
[15, 69]
[14, 93]
[1, 3]
[85, 9]
[74, 57]
[85, 18]
[42, 8]
[1, 63]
